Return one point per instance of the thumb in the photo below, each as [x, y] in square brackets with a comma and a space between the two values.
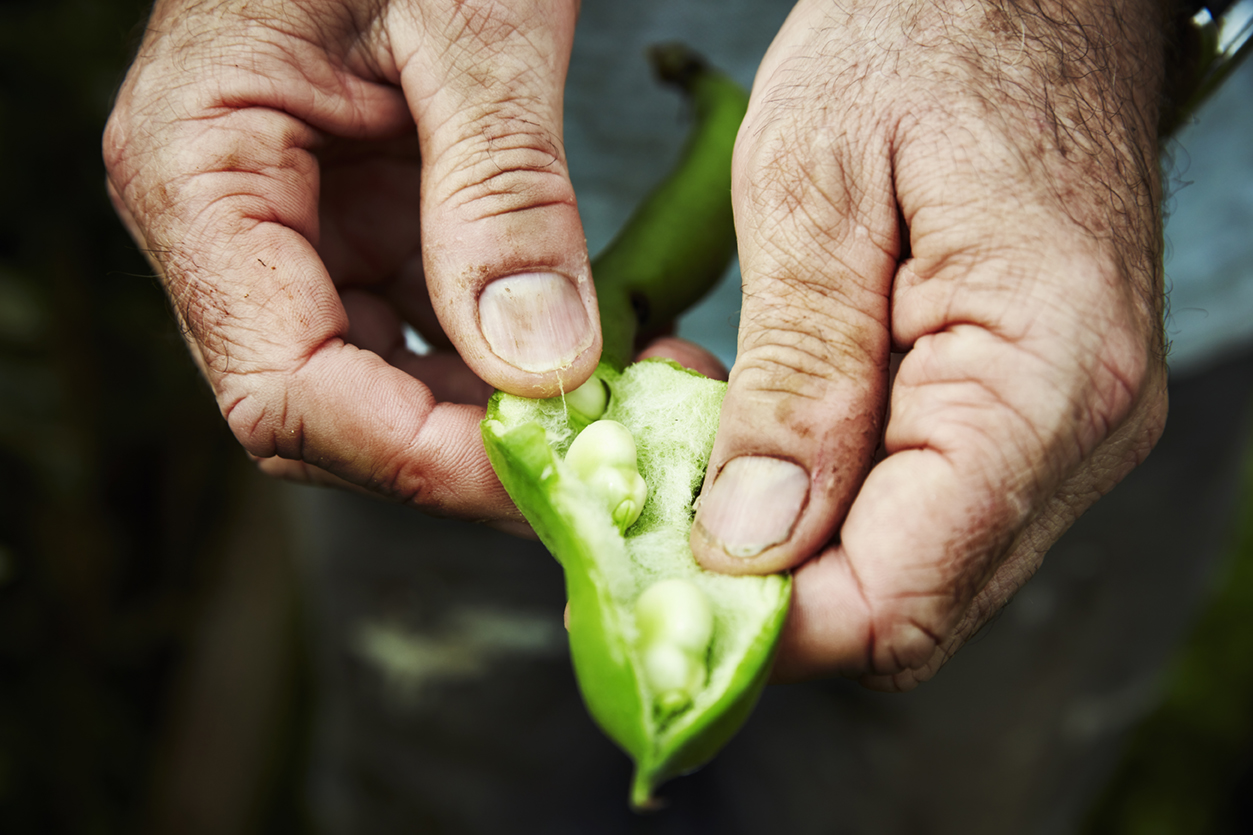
[802, 415]
[503, 248]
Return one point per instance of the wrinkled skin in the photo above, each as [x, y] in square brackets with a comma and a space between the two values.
[974, 186]
[265, 155]
[969, 188]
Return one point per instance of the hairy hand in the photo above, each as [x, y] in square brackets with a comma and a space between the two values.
[971, 186]
[307, 176]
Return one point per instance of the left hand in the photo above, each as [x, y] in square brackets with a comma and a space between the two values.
[973, 186]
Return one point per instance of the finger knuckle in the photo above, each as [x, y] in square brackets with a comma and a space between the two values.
[901, 647]
[506, 163]
[809, 163]
[114, 142]
[258, 413]
[1108, 364]
[791, 160]
[793, 362]
[791, 343]
[482, 24]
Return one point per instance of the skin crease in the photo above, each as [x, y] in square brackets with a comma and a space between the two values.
[971, 185]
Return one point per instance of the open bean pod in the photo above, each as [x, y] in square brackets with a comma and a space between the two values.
[670, 658]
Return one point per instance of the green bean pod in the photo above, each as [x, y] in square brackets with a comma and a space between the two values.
[670, 658]
[671, 413]
[680, 240]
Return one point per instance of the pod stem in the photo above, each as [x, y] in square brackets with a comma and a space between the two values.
[681, 238]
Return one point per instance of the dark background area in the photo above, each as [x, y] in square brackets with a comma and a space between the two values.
[115, 468]
[127, 511]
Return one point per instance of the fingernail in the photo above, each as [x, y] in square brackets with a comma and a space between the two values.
[753, 504]
[534, 321]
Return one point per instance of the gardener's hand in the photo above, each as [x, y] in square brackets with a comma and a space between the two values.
[276, 160]
[973, 186]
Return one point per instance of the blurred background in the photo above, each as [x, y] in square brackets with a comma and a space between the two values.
[120, 489]
[153, 647]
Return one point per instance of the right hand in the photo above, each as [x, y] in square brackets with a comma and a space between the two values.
[276, 161]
